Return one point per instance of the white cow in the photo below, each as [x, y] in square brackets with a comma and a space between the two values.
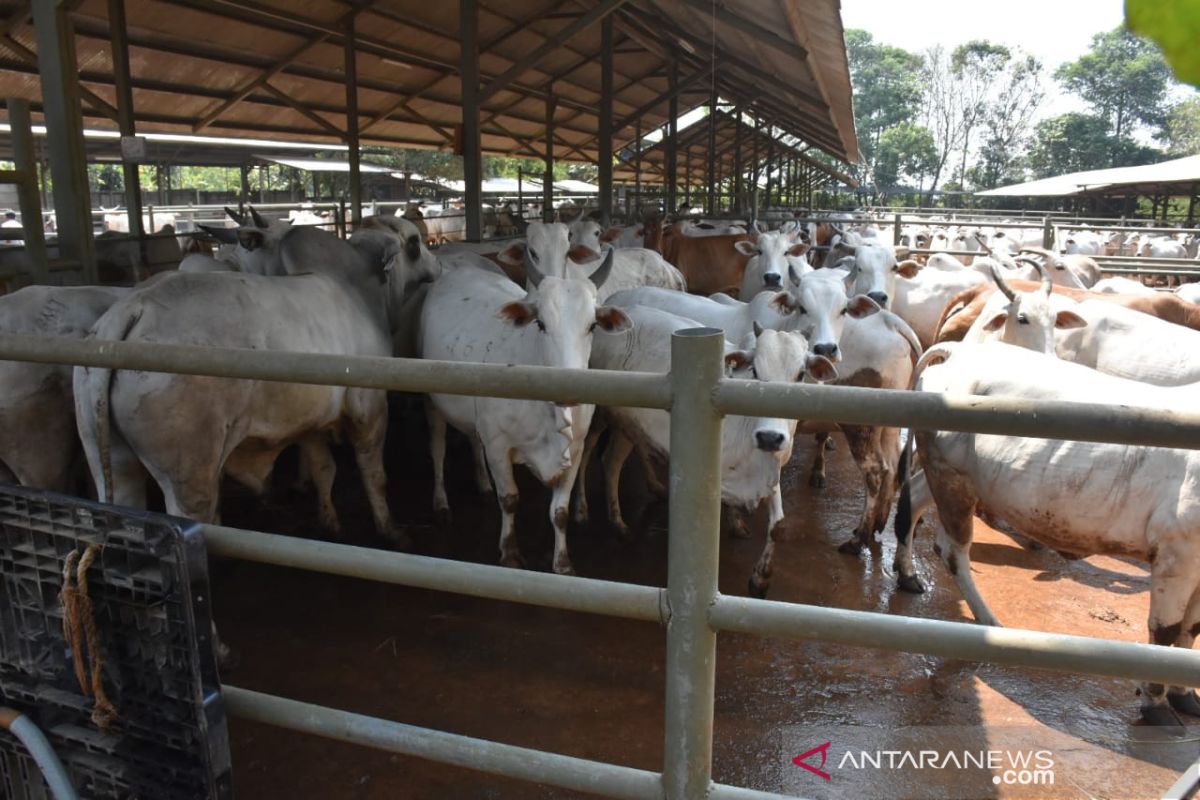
[768, 264]
[1120, 285]
[875, 270]
[476, 315]
[753, 449]
[1189, 292]
[186, 431]
[38, 439]
[1077, 497]
[1086, 243]
[1162, 247]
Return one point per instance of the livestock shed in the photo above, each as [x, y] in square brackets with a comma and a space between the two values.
[546, 80]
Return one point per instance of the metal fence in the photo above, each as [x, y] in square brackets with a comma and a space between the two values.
[692, 610]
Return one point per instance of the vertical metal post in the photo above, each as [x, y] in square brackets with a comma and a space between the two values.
[711, 203]
[25, 160]
[351, 74]
[637, 175]
[606, 117]
[757, 163]
[520, 190]
[737, 161]
[468, 39]
[1047, 234]
[687, 178]
[693, 555]
[896, 231]
[244, 174]
[770, 167]
[120, 59]
[64, 134]
[671, 168]
[548, 180]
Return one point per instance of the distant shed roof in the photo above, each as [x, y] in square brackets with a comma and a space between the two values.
[323, 164]
[275, 67]
[1176, 173]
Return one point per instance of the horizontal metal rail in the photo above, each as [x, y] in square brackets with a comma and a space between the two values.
[586, 595]
[964, 640]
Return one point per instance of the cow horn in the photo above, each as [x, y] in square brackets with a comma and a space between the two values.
[601, 274]
[1047, 283]
[758, 329]
[1004, 288]
[259, 222]
[235, 216]
[983, 243]
[534, 274]
[1051, 258]
[792, 276]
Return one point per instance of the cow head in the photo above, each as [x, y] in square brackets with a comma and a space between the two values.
[813, 304]
[874, 273]
[768, 263]
[257, 250]
[1024, 319]
[546, 247]
[584, 237]
[562, 313]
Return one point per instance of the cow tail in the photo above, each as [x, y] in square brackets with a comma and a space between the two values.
[904, 507]
[100, 383]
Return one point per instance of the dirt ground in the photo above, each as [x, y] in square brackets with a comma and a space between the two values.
[592, 687]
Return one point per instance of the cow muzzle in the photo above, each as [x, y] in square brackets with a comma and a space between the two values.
[772, 280]
[879, 297]
[828, 349]
[770, 441]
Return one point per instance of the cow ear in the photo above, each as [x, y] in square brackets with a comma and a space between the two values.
[412, 247]
[222, 235]
[582, 253]
[737, 360]
[746, 248]
[996, 322]
[250, 239]
[518, 313]
[861, 306]
[908, 269]
[797, 250]
[1069, 319]
[782, 302]
[611, 319]
[820, 368]
[610, 235]
[513, 255]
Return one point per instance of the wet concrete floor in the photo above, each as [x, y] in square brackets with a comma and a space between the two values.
[592, 687]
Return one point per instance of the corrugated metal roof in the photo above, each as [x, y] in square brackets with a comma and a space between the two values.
[1102, 181]
[274, 67]
[324, 164]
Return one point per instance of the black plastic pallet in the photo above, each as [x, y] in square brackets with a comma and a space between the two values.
[149, 590]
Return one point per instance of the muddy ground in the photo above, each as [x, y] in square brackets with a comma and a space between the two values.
[592, 687]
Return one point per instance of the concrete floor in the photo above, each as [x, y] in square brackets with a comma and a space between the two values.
[593, 687]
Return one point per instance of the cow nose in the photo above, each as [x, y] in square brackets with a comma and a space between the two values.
[879, 297]
[827, 349]
[773, 280]
[770, 441]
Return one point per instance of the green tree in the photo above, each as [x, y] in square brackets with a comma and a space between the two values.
[887, 92]
[1124, 78]
[906, 151]
[1182, 131]
[1075, 142]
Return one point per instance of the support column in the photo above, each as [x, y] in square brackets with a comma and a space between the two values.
[25, 161]
[637, 174]
[671, 167]
[548, 178]
[64, 134]
[120, 59]
[244, 172]
[606, 118]
[693, 547]
[737, 161]
[711, 203]
[471, 146]
[355, 177]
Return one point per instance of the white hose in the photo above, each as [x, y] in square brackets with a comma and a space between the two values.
[35, 742]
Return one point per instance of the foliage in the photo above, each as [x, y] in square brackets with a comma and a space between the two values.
[1075, 142]
[1124, 78]
[887, 92]
[905, 150]
[1175, 25]
[1182, 131]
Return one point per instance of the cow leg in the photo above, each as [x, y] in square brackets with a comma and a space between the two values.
[1172, 588]
[919, 502]
[437, 451]
[736, 520]
[864, 446]
[888, 443]
[560, 507]
[955, 497]
[655, 486]
[315, 455]
[589, 449]
[816, 475]
[619, 447]
[760, 579]
[508, 498]
[483, 481]
[1182, 698]
[368, 429]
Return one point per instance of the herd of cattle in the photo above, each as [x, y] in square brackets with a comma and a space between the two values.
[813, 302]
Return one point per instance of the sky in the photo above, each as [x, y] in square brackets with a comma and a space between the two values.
[1055, 31]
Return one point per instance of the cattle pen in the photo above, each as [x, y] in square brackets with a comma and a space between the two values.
[551, 81]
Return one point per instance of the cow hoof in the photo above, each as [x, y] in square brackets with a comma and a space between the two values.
[758, 587]
[442, 518]
[1161, 715]
[830, 444]
[911, 584]
[739, 531]
[1185, 702]
[816, 481]
[622, 531]
[851, 547]
[513, 560]
[564, 568]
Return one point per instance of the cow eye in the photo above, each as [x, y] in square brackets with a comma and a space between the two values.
[541, 325]
[800, 376]
[533, 254]
[844, 312]
[1022, 319]
[592, 328]
[801, 310]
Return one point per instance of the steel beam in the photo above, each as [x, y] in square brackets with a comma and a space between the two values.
[693, 554]
[471, 145]
[64, 135]
[25, 160]
[605, 156]
[120, 60]
[737, 160]
[355, 176]
[595, 14]
[671, 167]
[711, 155]
[548, 178]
